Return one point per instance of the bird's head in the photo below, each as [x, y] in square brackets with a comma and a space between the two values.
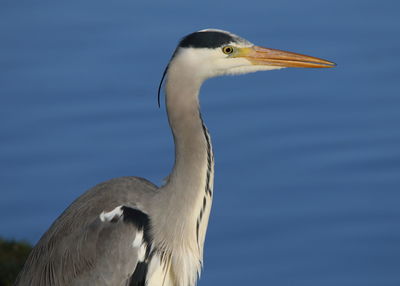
[209, 53]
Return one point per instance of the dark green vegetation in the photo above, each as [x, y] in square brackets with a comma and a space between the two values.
[12, 257]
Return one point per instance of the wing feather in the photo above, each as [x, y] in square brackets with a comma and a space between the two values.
[82, 247]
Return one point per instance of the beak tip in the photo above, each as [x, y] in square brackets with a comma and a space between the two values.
[332, 64]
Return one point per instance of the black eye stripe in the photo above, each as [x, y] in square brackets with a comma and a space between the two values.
[206, 39]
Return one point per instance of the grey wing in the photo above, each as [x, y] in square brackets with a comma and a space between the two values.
[101, 239]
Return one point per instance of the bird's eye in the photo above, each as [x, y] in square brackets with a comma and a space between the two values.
[227, 50]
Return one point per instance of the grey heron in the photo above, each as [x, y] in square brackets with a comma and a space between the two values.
[128, 231]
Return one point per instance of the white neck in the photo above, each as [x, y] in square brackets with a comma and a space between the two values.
[188, 191]
[191, 149]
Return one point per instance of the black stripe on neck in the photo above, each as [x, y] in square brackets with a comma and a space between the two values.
[209, 156]
[208, 191]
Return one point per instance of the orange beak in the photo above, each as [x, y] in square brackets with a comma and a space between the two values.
[271, 57]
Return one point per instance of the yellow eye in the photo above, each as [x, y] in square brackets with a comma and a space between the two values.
[227, 50]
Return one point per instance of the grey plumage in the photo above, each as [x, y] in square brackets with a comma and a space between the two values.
[128, 231]
[80, 249]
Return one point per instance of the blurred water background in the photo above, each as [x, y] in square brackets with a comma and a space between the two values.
[307, 185]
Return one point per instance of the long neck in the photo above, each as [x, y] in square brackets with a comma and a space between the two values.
[192, 142]
[187, 195]
[192, 175]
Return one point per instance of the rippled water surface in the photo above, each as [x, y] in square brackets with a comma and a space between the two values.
[307, 186]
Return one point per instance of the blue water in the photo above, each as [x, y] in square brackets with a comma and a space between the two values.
[307, 186]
